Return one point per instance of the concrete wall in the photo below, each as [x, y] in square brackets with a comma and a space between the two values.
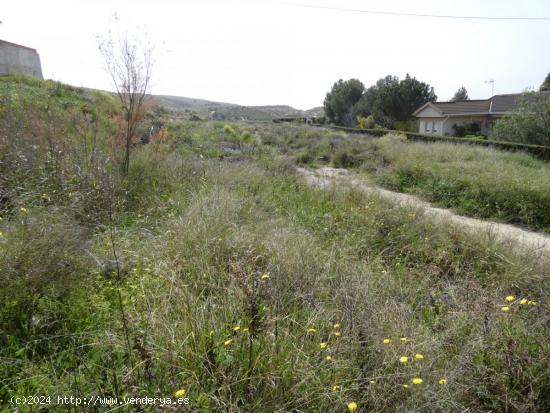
[19, 59]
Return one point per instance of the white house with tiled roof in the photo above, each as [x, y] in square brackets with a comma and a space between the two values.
[438, 118]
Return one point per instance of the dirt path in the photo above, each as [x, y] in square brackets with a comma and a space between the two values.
[530, 242]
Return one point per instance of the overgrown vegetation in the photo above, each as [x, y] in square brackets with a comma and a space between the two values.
[210, 270]
[528, 123]
[475, 181]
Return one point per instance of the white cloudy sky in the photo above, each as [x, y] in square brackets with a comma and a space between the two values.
[257, 52]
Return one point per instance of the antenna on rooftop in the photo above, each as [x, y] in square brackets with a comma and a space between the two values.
[492, 82]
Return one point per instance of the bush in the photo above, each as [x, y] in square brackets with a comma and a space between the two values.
[529, 123]
[466, 129]
[343, 159]
[304, 158]
[406, 126]
[365, 123]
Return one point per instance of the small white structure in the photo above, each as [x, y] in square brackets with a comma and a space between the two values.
[442, 118]
[15, 58]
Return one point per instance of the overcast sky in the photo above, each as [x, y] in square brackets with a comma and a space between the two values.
[269, 52]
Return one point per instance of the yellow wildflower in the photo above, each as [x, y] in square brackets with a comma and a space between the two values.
[180, 393]
[418, 356]
[505, 308]
[311, 330]
[406, 386]
[336, 326]
[328, 358]
[236, 328]
[510, 298]
[352, 406]
[523, 301]
[227, 342]
[265, 276]
[531, 302]
[372, 382]
[417, 380]
[386, 341]
[245, 330]
[403, 339]
[323, 345]
[336, 387]
[44, 196]
[443, 381]
[404, 359]
[337, 334]
[23, 210]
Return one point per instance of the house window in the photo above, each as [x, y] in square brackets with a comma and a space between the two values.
[427, 128]
[434, 126]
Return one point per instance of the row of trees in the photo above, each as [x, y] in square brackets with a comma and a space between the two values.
[388, 101]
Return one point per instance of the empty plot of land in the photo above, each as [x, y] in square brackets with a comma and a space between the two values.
[531, 242]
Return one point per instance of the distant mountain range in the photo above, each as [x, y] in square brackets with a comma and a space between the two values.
[229, 111]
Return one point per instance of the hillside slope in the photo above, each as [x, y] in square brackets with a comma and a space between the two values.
[230, 111]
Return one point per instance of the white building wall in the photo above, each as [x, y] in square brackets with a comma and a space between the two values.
[16, 59]
[430, 126]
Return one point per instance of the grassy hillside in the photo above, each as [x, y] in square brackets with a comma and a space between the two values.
[212, 270]
[230, 111]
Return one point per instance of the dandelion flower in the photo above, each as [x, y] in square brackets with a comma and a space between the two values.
[180, 393]
[505, 308]
[510, 298]
[227, 342]
[523, 301]
[372, 382]
[531, 303]
[236, 328]
[417, 380]
[352, 406]
[386, 341]
[311, 330]
[419, 356]
[337, 334]
[336, 387]
[406, 386]
[23, 210]
[323, 345]
[265, 276]
[404, 359]
[403, 339]
[336, 326]
[328, 358]
[443, 381]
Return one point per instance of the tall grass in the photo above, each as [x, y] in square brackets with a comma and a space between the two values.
[481, 182]
[475, 181]
[230, 279]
